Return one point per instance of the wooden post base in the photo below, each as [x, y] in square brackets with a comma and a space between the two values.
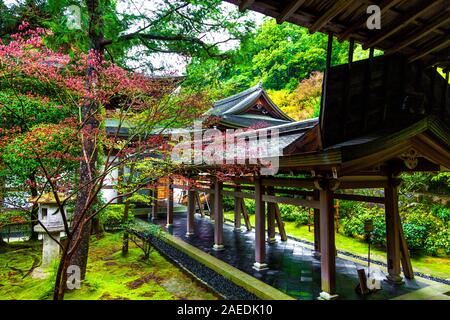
[396, 280]
[218, 247]
[271, 240]
[326, 296]
[260, 266]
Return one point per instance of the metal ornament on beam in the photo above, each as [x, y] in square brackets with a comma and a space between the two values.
[411, 158]
[327, 184]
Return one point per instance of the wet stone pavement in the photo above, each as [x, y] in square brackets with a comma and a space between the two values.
[292, 267]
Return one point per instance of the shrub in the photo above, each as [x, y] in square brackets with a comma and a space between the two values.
[112, 216]
[296, 214]
[250, 205]
[415, 235]
[442, 213]
[438, 243]
[354, 226]
[228, 204]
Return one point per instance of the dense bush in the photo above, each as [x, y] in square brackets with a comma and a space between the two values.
[296, 214]
[112, 216]
[228, 204]
[438, 243]
[353, 226]
[250, 206]
[415, 235]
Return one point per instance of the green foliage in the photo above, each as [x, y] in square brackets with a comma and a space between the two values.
[112, 216]
[250, 205]
[438, 243]
[415, 235]
[292, 213]
[442, 213]
[13, 217]
[278, 56]
[353, 225]
[228, 203]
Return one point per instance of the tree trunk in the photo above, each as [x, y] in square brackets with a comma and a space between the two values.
[35, 208]
[89, 158]
[126, 236]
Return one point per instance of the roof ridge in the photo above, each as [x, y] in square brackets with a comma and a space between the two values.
[239, 95]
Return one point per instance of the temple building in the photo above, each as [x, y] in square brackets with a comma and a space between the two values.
[250, 108]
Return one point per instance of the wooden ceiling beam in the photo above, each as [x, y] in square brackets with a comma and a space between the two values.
[331, 13]
[245, 4]
[423, 9]
[435, 46]
[421, 32]
[384, 6]
[289, 10]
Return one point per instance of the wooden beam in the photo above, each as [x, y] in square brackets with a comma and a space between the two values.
[384, 6]
[405, 258]
[248, 224]
[218, 213]
[419, 33]
[291, 8]
[316, 226]
[336, 9]
[242, 195]
[271, 217]
[245, 4]
[325, 85]
[260, 243]
[170, 204]
[445, 93]
[191, 213]
[237, 210]
[291, 201]
[435, 46]
[327, 242]
[392, 231]
[280, 223]
[199, 204]
[424, 8]
[359, 198]
[351, 51]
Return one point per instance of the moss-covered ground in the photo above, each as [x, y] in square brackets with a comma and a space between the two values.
[435, 266]
[109, 276]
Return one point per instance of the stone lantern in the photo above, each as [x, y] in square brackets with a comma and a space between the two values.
[50, 216]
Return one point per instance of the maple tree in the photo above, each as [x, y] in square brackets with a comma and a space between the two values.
[51, 150]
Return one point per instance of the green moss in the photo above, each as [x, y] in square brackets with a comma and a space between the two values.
[435, 266]
[109, 275]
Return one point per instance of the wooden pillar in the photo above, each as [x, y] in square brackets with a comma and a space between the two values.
[237, 210]
[260, 243]
[327, 242]
[248, 225]
[280, 222]
[445, 93]
[211, 202]
[155, 202]
[218, 219]
[170, 204]
[392, 231]
[325, 78]
[271, 218]
[191, 213]
[351, 50]
[316, 226]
